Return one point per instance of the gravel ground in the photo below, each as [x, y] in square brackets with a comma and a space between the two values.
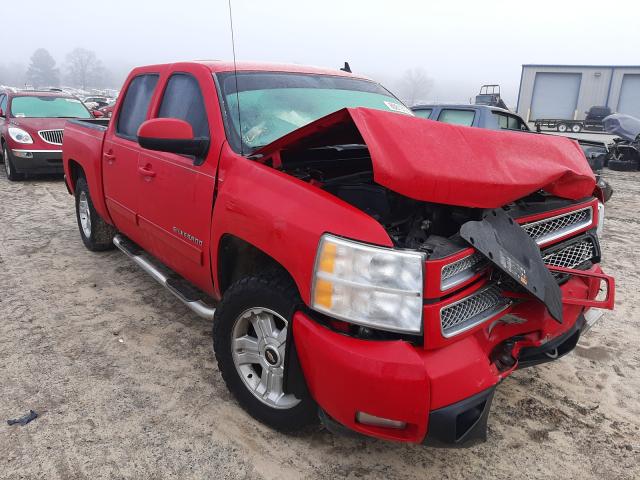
[123, 378]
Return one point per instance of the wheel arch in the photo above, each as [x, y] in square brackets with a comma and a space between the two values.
[75, 172]
[237, 258]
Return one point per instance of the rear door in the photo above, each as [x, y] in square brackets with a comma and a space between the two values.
[177, 190]
[120, 155]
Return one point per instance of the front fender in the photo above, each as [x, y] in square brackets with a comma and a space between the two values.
[283, 217]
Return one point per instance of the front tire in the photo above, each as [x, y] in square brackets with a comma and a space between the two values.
[576, 128]
[250, 341]
[97, 235]
[562, 127]
[9, 168]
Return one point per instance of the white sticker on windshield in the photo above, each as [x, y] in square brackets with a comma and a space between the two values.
[396, 107]
[18, 115]
[72, 100]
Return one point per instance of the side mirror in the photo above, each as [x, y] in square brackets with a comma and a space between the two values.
[97, 114]
[171, 135]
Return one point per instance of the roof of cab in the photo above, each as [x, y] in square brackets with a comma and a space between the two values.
[216, 66]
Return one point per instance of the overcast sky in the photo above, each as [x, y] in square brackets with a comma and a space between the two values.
[460, 44]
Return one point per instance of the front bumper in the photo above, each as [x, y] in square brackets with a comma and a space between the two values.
[442, 395]
[37, 161]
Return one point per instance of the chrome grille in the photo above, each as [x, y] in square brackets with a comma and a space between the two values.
[51, 136]
[461, 270]
[571, 256]
[551, 228]
[472, 310]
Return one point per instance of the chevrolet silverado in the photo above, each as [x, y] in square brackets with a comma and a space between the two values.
[381, 272]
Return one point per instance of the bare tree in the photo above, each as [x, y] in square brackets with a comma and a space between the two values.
[42, 70]
[84, 69]
[414, 86]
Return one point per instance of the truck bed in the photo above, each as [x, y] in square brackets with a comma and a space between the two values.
[82, 153]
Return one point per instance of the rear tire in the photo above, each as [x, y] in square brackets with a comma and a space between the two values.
[9, 168]
[97, 235]
[576, 128]
[562, 127]
[250, 332]
[623, 165]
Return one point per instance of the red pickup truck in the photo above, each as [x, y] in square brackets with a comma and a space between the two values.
[377, 270]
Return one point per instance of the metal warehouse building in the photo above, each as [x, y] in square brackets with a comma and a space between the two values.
[568, 91]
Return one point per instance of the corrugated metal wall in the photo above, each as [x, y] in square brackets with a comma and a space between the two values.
[600, 85]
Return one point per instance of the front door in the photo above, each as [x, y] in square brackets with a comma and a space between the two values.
[121, 153]
[178, 190]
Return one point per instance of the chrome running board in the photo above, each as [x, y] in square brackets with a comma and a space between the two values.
[186, 293]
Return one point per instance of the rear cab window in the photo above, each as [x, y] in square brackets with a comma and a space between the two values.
[457, 117]
[136, 105]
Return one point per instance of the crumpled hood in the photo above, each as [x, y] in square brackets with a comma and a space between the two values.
[441, 163]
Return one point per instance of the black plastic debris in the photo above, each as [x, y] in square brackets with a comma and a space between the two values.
[25, 419]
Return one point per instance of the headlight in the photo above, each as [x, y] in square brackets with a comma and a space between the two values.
[600, 227]
[20, 135]
[366, 285]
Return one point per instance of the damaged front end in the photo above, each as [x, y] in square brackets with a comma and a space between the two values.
[506, 226]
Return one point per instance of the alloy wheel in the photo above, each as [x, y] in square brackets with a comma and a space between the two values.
[85, 214]
[258, 343]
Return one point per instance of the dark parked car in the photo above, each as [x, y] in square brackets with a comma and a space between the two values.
[481, 116]
[595, 117]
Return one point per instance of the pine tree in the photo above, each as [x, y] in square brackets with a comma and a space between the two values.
[42, 71]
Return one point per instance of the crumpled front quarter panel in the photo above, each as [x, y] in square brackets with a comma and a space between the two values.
[284, 217]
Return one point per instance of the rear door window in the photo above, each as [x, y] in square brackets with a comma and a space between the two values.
[183, 99]
[3, 104]
[502, 120]
[423, 112]
[457, 117]
[509, 122]
[516, 124]
[136, 105]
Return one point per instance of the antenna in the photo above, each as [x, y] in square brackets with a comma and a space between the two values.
[235, 74]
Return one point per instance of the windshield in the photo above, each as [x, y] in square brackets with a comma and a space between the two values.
[48, 107]
[274, 104]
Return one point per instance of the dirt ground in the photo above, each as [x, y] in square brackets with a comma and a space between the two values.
[124, 380]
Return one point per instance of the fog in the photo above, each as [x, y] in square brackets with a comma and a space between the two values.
[458, 44]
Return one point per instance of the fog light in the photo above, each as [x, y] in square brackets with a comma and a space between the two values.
[374, 421]
[22, 154]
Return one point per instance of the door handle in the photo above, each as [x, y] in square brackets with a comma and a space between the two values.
[146, 171]
[109, 157]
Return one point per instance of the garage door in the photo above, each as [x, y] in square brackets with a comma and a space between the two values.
[555, 95]
[629, 102]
